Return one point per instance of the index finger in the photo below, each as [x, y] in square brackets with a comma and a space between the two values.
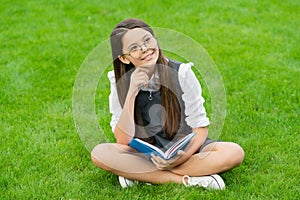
[177, 156]
[144, 69]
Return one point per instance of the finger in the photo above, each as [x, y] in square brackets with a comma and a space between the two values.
[155, 158]
[180, 152]
[142, 78]
[140, 75]
[158, 165]
[144, 72]
[158, 160]
[141, 69]
[161, 168]
[176, 157]
[154, 161]
[161, 160]
[140, 81]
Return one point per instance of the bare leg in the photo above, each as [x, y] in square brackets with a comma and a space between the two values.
[214, 158]
[122, 160]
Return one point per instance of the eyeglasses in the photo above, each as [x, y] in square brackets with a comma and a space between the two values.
[136, 51]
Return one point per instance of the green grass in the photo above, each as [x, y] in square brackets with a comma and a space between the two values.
[43, 43]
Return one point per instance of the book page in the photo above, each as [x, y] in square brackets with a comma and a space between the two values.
[179, 144]
[151, 146]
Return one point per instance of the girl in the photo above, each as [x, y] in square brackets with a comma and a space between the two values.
[158, 100]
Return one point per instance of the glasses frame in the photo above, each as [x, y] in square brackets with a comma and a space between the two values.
[141, 48]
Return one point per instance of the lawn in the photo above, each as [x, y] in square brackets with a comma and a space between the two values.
[254, 44]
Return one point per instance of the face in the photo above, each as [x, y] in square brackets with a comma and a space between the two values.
[139, 48]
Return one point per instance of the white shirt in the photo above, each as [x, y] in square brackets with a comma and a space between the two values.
[192, 98]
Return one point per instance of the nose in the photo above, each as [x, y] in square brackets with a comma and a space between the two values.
[144, 47]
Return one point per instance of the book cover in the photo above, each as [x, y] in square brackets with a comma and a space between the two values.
[148, 149]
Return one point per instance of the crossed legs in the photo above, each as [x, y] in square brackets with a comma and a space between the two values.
[124, 161]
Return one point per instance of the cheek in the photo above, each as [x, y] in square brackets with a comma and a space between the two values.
[156, 55]
[136, 62]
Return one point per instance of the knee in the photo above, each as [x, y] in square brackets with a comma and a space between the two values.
[99, 155]
[236, 154]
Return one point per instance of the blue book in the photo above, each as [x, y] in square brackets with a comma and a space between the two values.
[148, 149]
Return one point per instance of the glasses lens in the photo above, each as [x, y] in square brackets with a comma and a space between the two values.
[150, 43]
[135, 53]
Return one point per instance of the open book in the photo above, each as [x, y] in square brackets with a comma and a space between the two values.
[148, 149]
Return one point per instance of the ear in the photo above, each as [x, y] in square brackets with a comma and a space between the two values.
[124, 60]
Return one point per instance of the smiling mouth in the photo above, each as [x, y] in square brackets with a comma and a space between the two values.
[148, 56]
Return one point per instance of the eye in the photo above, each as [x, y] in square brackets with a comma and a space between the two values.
[133, 48]
[147, 40]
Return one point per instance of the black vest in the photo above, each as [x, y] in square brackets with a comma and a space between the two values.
[149, 122]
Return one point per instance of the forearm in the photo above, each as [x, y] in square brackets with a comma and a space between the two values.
[125, 127]
[195, 144]
[198, 140]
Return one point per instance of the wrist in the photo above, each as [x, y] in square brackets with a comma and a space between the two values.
[132, 93]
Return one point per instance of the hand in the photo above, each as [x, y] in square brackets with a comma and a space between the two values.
[139, 78]
[163, 164]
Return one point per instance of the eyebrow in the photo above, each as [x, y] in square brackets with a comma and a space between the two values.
[133, 43]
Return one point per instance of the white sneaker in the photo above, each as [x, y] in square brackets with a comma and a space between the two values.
[208, 182]
[124, 182]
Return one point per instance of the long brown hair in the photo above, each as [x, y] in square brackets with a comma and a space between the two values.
[168, 99]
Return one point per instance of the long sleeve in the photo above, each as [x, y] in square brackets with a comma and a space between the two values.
[192, 97]
[114, 104]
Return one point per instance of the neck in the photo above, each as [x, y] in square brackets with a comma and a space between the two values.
[151, 71]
